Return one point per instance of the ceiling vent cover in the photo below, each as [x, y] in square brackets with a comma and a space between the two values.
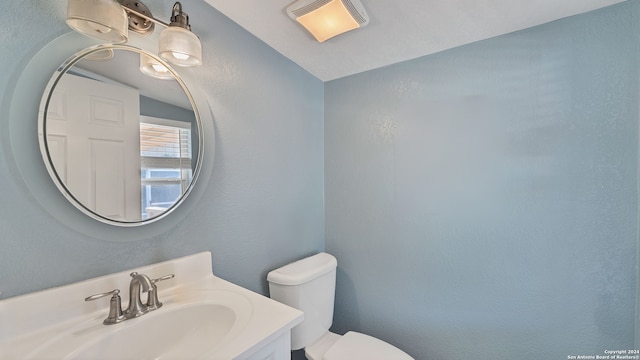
[328, 18]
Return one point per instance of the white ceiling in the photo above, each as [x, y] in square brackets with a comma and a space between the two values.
[399, 30]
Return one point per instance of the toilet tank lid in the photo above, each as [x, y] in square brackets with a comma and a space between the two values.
[303, 270]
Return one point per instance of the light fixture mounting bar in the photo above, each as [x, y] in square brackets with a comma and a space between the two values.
[138, 13]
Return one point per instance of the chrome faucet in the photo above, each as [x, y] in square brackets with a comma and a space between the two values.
[139, 283]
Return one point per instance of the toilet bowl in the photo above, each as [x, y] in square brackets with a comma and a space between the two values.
[353, 345]
[309, 285]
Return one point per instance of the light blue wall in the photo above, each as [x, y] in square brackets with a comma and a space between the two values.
[482, 202]
[263, 203]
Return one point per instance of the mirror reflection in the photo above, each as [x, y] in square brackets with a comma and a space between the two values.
[121, 145]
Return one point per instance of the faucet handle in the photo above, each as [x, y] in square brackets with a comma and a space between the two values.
[115, 309]
[101, 295]
[152, 298]
[166, 277]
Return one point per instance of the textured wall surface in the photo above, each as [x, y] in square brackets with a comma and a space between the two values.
[263, 203]
[482, 202]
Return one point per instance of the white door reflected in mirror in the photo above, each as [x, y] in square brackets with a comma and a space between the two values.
[95, 129]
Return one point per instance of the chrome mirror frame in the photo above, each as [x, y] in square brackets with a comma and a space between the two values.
[44, 149]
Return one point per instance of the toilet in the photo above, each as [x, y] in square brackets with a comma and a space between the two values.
[309, 285]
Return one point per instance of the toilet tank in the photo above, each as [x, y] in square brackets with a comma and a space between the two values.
[308, 285]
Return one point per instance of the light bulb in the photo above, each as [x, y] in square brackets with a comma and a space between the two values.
[179, 56]
[159, 68]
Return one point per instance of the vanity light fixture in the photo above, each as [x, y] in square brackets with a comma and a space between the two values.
[325, 19]
[178, 44]
[110, 20]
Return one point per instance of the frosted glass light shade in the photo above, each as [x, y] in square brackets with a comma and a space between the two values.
[152, 67]
[328, 21]
[102, 19]
[102, 55]
[180, 46]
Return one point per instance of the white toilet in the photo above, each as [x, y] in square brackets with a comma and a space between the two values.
[309, 285]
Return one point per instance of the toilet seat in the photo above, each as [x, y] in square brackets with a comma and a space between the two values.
[353, 345]
[319, 347]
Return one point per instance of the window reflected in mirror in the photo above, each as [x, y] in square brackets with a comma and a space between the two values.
[165, 153]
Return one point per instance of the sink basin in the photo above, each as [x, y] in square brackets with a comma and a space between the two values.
[186, 326]
[189, 332]
[203, 317]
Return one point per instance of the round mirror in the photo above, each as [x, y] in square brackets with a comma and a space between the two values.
[120, 134]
